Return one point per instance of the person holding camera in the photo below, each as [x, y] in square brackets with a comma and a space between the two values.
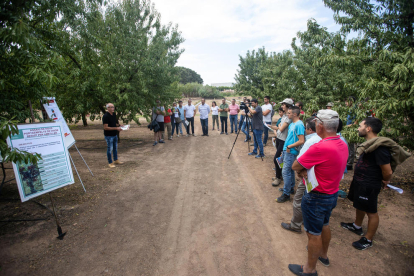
[246, 123]
[258, 127]
[223, 109]
[295, 138]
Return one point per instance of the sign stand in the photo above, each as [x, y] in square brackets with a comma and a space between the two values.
[83, 159]
[59, 229]
[73, 163]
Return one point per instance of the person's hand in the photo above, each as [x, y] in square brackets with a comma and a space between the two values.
[303, 174]
[287, 149]
[384, 184]
[119, 128]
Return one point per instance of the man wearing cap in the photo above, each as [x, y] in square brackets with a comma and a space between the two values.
[328, 158]
[329, 105]
[295, 138]
[204, 110]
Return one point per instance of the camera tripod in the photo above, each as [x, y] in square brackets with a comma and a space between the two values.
[245, 119]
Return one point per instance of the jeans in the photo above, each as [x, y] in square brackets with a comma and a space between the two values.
[223, 121]
[191, 122]
[215, 120]
[233, 120]
[112, 142]
[258, 141]
[288, 173]
[179, 126]
[204, 126]
[279, 151]
[174, 126]
[266, 133]
[297, 219]
[241, 121]
[316, 211]
[245, 129]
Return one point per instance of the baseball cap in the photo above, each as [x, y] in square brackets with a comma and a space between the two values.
[330, 104]
[327, 114]
[287, 101]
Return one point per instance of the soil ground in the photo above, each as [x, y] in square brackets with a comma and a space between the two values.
[183, 208]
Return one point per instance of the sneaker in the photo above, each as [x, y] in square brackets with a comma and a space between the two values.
[251, 153]
[264, 145]
[259, 156]
[276, 182]
[274, 169]
[169, 138]
[227, 133]
[298, 270]
[221, 132]
[283, 198]
[206, 134]
[203, 135]
[252, 144]
[323, 261]
[155, 143]
[178, 135]
[245, 140]
[231, 132]
[351, 227]
[111, 165]
[118, 162]
[194, 135]
[287, 226]
[161, 141]
[187, 135]
[362, 244]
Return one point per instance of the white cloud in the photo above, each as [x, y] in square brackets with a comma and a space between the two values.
[238, 25]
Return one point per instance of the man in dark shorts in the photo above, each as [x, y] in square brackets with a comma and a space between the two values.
[372, 172]
[111, 127]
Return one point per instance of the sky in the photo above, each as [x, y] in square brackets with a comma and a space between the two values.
[216, 32]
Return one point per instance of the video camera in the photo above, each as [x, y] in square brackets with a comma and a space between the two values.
[244, 107]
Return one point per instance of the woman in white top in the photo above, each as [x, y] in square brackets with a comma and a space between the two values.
[214, 112]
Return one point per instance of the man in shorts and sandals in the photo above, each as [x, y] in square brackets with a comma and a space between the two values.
[373, 171]
[328, 159]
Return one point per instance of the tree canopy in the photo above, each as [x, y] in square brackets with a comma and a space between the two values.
[187, 75]
[377, 67]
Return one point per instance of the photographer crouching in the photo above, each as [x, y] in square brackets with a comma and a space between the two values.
[257, 125]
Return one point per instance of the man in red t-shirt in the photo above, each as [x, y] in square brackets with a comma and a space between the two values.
[328, 157]
[167, 123]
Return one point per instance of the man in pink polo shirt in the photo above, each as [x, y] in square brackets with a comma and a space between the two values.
[234, 110]
[328, 157]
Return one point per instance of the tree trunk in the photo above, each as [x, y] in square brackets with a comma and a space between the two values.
[85, 122]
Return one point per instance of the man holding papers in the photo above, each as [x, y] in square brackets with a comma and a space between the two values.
[328, 160]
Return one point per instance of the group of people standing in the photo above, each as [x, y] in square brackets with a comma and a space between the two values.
[313, 146]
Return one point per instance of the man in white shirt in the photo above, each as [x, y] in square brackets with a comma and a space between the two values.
[267, 109]
[204, 110]
[189, 113]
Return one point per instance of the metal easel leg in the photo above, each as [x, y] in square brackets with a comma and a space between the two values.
[83, 159]
[77, 172]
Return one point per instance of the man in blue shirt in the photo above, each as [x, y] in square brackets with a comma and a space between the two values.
[295, 138]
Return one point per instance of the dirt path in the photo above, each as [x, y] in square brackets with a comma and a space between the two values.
[180, 208]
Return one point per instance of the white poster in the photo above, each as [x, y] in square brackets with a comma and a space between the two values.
[54, 113]
[53, 171]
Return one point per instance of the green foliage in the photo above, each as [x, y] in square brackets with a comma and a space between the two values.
[187, 75]
[9, 128]
[195, 89]
[377, 67]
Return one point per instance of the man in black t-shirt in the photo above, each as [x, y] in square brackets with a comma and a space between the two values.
[111, 128]
[372, 172]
